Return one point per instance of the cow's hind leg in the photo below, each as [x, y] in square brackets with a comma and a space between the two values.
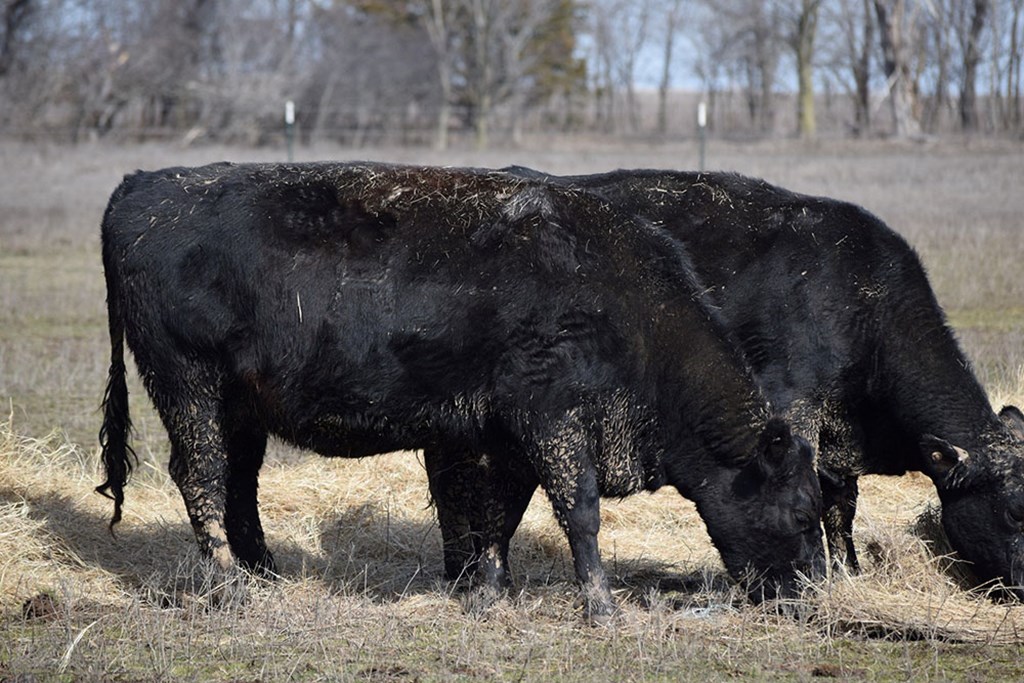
[246, 446]
[480, 500]
[509, 486]
[455, 477]
[193, 413]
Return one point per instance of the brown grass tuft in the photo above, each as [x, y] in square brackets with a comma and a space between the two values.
[907, 592]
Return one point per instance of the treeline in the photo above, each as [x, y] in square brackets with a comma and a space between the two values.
[425, 71]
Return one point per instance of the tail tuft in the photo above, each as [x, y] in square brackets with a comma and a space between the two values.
[118, 456]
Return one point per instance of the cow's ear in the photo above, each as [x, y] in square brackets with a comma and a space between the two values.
[940, 457]
[1014, 419]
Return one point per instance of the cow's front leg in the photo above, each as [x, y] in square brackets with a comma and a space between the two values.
[564, 465]
[579, 515]
[839, 507]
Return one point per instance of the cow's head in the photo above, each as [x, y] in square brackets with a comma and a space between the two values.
[764, 517]
[982, 496]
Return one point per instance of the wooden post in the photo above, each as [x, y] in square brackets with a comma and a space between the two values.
[289, 126]
[702, 127]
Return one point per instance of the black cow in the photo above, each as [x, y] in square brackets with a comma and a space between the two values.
[835, 315]
[354, 309]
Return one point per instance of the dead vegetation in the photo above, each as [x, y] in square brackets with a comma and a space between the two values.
[361, 595]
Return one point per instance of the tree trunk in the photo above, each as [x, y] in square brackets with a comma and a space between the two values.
[663, 85]
[1013, 71]
[437, 31]
[807, 25]
[484, 72]
[16, 12]
[972, 56]
[891, 19]
[862, 73]
[445, 108]
[932, 117]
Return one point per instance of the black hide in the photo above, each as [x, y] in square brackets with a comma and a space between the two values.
[353, 309]
[834, 314]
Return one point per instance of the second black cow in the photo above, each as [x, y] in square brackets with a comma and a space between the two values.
[354, 309]
[834, 313]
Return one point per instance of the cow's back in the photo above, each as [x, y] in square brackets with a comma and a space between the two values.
[365, 307]
[832, 308]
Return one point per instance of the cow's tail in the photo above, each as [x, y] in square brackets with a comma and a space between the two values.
[118, 457]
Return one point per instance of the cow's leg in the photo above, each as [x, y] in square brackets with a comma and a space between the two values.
[579, 515]
[839, 505]
[455, 477]
[480, 500]
[564, 465]
[246, 446]
[193, 414]
[840, 446]
[497, 515]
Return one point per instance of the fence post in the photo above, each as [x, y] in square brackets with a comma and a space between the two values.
[702, 127]
[289, 126]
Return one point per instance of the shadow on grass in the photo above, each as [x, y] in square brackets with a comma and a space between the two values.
[365, 552]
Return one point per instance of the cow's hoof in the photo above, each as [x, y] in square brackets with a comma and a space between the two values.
[265, 568]
[598, 612]
[478, 600]
[598, 604]
[601, 620]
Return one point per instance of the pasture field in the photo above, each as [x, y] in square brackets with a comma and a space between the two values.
[362, 596]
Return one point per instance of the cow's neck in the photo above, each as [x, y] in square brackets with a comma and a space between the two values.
[927, 382]
[704, 382]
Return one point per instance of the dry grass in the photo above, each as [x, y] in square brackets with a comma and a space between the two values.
[362, 596]
[910, 593]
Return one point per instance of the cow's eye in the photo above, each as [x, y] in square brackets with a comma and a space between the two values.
[805, 520]
[1014, 516]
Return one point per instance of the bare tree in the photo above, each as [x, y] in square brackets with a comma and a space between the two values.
[437, 19]
[619, 32]
[756, 47]
[804, 31]
[500, 35]
[971, 59]
[375, 71]
[712, 43]
[938, 44]
[857, 27]
[668, 13]
[894, 28]
[482, 69]
[15, 19]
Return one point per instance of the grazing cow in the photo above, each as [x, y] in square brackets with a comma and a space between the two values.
[835, 315]
[355, 309]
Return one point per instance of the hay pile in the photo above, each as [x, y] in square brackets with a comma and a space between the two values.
[364, 529]
[912, 588]
[42, 484]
